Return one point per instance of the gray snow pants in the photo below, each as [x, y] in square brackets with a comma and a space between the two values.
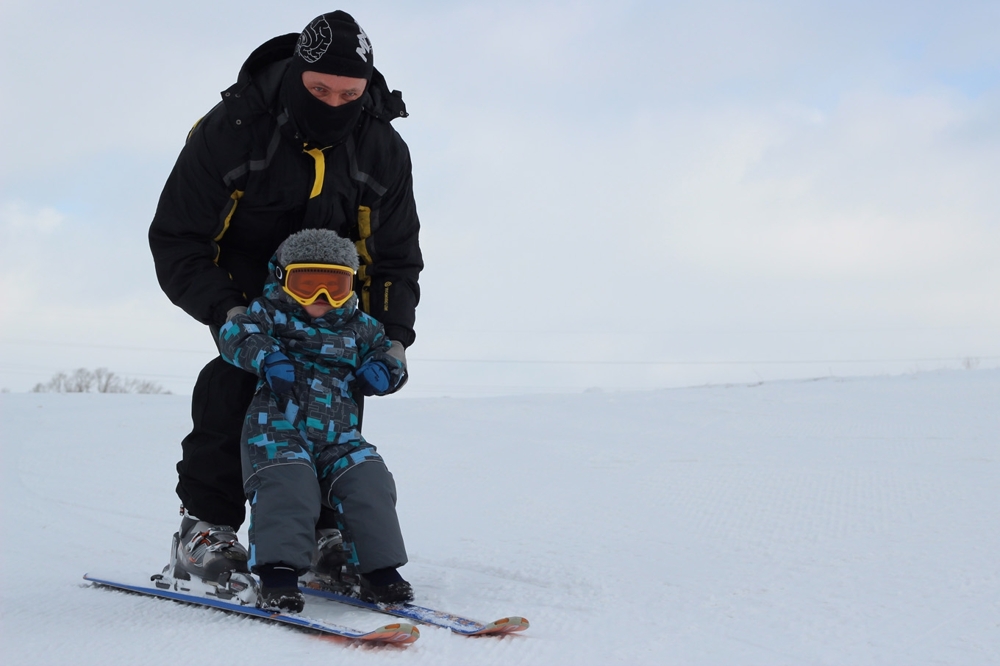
[285, 499]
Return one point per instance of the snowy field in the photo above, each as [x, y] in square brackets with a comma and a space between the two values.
[837, 521]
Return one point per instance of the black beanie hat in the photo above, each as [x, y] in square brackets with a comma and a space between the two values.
[334, 43]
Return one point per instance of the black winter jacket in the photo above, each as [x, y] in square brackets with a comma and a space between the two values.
[245, 180]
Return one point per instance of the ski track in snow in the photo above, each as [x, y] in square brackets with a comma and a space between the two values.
[849, 521]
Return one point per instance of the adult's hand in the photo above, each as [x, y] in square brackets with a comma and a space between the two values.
[398, 352]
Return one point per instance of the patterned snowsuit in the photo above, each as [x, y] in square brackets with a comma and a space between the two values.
[306, 450]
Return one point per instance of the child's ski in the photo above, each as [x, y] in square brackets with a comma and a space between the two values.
[397, 633]
[457, 623]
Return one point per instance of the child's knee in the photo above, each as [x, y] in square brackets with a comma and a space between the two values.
[366, 482]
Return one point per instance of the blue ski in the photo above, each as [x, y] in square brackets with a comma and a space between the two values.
[457, 623]
[398, 633]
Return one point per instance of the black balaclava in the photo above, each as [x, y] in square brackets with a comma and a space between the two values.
[333, 43]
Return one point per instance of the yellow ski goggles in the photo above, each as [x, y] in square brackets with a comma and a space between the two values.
[307, 282]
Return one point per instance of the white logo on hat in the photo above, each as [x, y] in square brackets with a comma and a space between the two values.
[364, 46]
[314, 40]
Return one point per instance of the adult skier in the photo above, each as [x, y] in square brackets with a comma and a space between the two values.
[301, 140]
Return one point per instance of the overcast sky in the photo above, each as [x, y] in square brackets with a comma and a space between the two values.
[612, 194]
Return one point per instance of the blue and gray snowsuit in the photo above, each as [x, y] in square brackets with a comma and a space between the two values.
[306, 449]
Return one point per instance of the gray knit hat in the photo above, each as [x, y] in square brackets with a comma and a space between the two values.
[317, 246]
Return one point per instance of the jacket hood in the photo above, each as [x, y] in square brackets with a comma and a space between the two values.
[265, 67]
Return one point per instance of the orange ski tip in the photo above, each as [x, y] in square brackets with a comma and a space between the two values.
[395, 633]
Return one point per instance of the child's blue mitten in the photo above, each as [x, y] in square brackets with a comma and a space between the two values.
[373, 378]
[279, 373]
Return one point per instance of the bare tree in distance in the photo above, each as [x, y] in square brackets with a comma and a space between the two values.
[100, 380]
[970, 362]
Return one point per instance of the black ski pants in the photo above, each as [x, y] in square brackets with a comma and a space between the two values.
[210, 473]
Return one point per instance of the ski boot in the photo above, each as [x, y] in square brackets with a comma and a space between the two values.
[384, 586]
[207, 551]
[331, 553]
[328, 570]
[279, 590]
[332, 571]
[207, 559]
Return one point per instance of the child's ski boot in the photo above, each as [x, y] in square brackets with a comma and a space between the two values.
[384, 586]
[279, 590]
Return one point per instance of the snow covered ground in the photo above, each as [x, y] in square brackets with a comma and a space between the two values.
[838, 521]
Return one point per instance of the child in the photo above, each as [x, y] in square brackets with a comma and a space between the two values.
[312, 348]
